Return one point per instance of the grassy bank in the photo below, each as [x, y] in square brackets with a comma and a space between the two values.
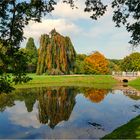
[135, 83]
[131, 130]
[105, 81]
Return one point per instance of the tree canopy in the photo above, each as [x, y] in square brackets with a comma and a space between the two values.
[131, 62]
[56, 54]
[96, 63]
[14, 15]
[79, 64]
[31, 52]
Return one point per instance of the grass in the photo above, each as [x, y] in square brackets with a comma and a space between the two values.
[131, 130]
[135, 83]
[105, 81]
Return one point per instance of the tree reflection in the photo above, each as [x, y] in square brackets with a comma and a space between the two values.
[56, 105]
[95, 95]
[133, 94]
[6, 101]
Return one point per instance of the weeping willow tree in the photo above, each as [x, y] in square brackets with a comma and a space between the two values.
[56, 54]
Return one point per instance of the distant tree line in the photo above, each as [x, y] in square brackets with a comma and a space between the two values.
[95, 63]
[15, 15]
[56, 58]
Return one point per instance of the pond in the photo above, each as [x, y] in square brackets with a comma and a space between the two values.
[65, 112]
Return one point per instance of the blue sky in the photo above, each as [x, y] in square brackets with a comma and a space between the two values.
[86, 34]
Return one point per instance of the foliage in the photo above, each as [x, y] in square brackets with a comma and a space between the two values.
[16, 65]
[115, 61]
[131, 130]
[96, 63]
[3, 59]
[131, 62]
[18, 68]
[79, 64]
[56, 54]
[114, 65]
[31, 53]
[14, 16]
[5, 84]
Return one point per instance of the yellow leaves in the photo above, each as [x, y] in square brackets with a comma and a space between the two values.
[96, 95]
[96, 63]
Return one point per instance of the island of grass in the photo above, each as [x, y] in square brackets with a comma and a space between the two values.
[101, 81]
[131, 130]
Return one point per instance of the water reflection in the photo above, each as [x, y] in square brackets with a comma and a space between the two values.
[96, 95]
[55, 105]
[65, 112]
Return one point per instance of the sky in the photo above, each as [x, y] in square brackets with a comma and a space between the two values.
[87, 35]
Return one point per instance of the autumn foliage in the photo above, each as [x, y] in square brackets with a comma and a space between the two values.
[55, 105]
[96, 63]
[56, 54]
[96, 95]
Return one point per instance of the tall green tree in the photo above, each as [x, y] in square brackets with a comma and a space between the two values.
[31, 52]
[131, 62]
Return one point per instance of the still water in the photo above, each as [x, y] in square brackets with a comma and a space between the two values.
[65, 112]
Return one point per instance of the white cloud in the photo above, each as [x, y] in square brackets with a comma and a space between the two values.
[61, 25]
[86, 34]
[64, 10]
[22, 117]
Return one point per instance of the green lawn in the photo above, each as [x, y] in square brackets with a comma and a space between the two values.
[131, 130]
[135, 83]
[105, 81]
